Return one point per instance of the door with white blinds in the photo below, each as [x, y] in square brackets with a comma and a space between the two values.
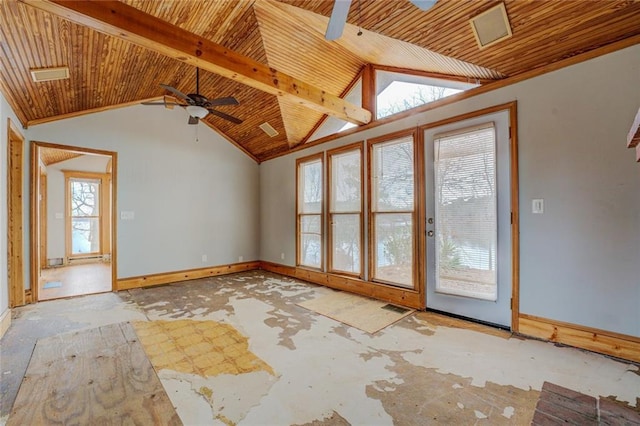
[468, 218]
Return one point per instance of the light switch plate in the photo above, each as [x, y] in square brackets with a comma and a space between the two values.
[537, 206]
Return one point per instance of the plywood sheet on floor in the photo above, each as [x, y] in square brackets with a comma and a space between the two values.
[95, 376]
[360, 312]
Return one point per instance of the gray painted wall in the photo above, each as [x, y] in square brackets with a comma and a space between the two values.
[189, 198]
[580, 260]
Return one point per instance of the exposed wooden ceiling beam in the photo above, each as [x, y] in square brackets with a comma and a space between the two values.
[128, 23]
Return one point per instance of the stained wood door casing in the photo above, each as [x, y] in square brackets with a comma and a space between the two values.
[15, 240]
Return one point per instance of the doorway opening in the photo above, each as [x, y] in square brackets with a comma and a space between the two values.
[73, 222]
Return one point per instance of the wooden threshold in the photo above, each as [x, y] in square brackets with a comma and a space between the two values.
[593, 339]
[178, 276]
[396, 295]
[5, 321]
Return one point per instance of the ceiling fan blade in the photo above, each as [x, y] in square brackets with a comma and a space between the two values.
[338, 19]
[423, 4]
[230, 100]
[177, 93]
[228, 117]
[193, 120]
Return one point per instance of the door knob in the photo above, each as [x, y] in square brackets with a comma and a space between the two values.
[430, 233]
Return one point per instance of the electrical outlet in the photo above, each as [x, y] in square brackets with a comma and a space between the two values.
[240, 258]
[282, 256]
[204, 257]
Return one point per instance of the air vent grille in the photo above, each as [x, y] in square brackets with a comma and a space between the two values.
[49, 74]
[491, 26]
[268, 129]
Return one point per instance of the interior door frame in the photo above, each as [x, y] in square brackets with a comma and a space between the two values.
[34, 214]
[15, 218]
[511, 108]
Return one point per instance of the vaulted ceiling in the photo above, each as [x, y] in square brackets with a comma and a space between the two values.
[287, 36]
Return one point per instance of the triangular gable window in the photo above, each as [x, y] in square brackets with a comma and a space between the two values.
[397, 92]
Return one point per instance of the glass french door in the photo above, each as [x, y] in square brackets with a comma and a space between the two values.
[469, 218]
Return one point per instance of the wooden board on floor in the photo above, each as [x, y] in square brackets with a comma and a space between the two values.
[97, 376]
[360, 312]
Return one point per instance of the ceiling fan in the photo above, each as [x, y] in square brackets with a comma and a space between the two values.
[341, 10]
[196, 105]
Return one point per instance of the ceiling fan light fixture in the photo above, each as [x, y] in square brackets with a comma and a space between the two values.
[197, 111]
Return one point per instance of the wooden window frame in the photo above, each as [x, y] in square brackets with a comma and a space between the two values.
[299, 215]
[417, 215]
[358, 146]
[104, 194]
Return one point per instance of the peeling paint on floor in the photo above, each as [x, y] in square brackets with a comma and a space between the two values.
[312, 370]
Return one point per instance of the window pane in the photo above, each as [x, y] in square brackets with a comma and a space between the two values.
[84, 197]
[310, 247]
[85, 235]
[397, 92]
[466, 214]
[346, 184]
[394, 248]
[393, 180]
[310, 182]
[346, 242]
[310, 224]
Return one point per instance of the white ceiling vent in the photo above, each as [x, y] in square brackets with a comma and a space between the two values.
[268, 129]
[491, 26]
[49, 74]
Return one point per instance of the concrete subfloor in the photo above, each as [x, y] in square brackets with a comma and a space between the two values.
[280, 364]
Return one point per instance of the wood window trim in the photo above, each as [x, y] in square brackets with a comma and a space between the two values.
[357, 146]
[68, 176]
[417, 216]
[300, 161]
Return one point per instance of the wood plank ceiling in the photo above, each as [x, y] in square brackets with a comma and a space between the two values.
[287, 35]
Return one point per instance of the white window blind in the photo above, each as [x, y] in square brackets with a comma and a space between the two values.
[345, 210]
[392, 205]
[466, 212]
[393, 179]
[310, 213]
